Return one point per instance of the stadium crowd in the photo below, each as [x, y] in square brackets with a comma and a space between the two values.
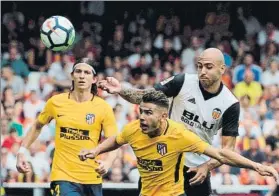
[139, 54]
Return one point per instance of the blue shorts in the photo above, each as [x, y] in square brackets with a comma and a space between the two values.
[66, 188]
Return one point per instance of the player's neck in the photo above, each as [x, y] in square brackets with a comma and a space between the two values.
[81, 96]
[159, 131]
[214, 88]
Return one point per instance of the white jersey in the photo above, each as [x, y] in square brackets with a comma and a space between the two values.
[200, 111]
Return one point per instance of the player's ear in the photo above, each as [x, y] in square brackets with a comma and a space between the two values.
[94, 79]
[223, 68]
[164, 115]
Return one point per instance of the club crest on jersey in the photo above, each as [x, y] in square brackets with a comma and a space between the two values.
[166, 80]
[162, 148]
[90, 118]
[216, 113]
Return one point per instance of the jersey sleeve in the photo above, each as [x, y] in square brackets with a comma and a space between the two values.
[109, 123]
[122, 137]
[190, 142]
[230, 120]
[171, 86]
[47, 113]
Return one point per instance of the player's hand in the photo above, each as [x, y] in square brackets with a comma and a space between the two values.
[111, 85]
[201, 174]
[103, 167]
[22, 164]
[87, 154]
[265, 170]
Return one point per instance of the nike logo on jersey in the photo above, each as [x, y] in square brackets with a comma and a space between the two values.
[192, 100]
[60, 115]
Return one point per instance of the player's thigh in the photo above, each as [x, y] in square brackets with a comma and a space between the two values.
[65, 188]
[93, 190]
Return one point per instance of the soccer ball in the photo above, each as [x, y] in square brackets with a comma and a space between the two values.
[57, 33]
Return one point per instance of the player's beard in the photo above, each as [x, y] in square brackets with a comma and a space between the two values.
[209, 82]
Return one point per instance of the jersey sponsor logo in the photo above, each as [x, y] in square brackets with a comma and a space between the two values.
[74, 134]
[162, 148]
[194, 121]
[150, 165]
[192, 100]
[167, 80]
[216, 113]
[90, 118]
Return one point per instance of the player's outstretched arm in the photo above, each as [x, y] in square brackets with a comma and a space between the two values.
[229, 157]
[108, 145]
[132, 95]
[32, 135]
[228, 142]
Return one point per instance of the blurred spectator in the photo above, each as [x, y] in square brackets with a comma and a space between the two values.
[249, 87]
[120, 116]
[11, 157]
[270, 54]
[254, 48]
[11, 139]
[271, 127]
[4, 129]
[8, 98]
[142, 67]
[245, 107]
[273, 107]
[32, 106]
[39, 160]
[16, 82]
[90, 8]
[167, 53]
[134, 59]
[254, 153]
[270, 33]
[116, 46]
[19, 67]
[188, 55]
[13, 122]
[271, 92]
[270, 158]
[14, 22]
[11, 176]
[224, 177]
[2, 114]
[271, 75]
[39, 58]
[108, 66]
[18, 114]
[4, 163]
[64, 68]
[228, 59]
[117, 64]
[251, 23]
[240, 70]
[214, 40]
[43, 88]
[15, 15]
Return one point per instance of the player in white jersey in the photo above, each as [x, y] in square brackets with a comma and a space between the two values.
[203, 104]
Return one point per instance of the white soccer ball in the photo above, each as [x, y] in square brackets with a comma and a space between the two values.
[57, 33]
